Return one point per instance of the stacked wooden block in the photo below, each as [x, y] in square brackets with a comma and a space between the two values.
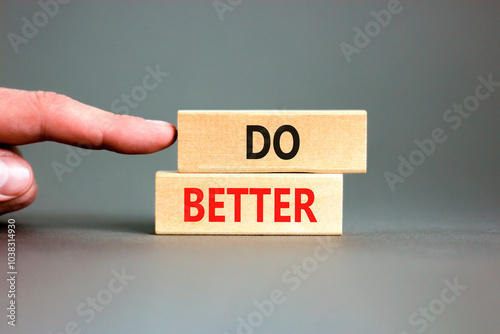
[260, 172]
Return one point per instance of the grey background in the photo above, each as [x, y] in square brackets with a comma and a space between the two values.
[398, 246]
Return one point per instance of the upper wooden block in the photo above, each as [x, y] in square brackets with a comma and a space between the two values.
[252, 141]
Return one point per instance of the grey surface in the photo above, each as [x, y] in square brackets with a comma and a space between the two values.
[376, 277]
[441, 223]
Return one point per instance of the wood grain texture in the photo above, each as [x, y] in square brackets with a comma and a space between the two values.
[313, 199]
[213, 141]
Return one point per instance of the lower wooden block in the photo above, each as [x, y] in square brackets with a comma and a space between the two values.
[277, 203]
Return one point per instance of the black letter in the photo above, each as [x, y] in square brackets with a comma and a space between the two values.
[296, 142]
[267, 141]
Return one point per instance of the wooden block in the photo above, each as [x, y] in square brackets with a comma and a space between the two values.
[276, 203]
[326, 141]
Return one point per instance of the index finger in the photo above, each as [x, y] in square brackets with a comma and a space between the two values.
[29, 117]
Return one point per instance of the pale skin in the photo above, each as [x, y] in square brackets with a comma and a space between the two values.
[30, 117]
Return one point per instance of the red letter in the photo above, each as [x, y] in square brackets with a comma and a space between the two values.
[237, 192]
[212, 205]
[278, 205]
[260, 192]
[304, 206]
[188, 204]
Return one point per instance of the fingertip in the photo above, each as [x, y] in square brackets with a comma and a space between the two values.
[16, 177]
[21, 202]
[175, 134]
[172, 134]
[163, 135]
[135, 135]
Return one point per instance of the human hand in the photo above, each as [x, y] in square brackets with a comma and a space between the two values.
[30, 117]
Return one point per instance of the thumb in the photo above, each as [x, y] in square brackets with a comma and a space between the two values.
[17, 184]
